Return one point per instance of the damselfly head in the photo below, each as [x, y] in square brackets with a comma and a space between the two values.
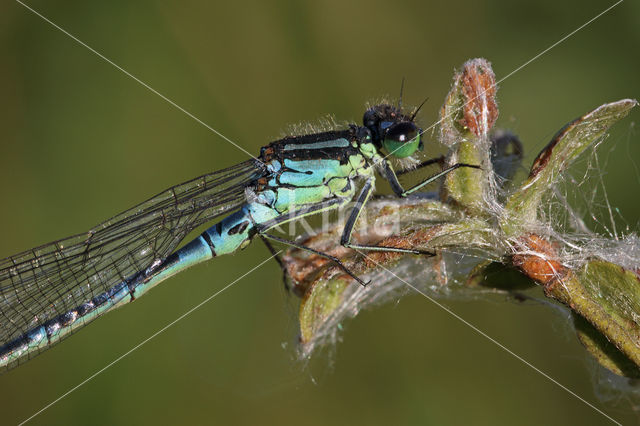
[393, 130]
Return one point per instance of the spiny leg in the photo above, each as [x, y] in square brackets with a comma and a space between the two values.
[392, 177]
[319, 253]
[276, 256]
[345, 240]
[296, 214]
[438, 160]
[438, 176]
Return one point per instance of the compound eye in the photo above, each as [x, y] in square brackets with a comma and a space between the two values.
[402, 139]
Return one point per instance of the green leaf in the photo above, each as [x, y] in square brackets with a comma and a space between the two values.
[617, 291]
[565, 147]
[603, 350]
[608, 297]
[319, 303]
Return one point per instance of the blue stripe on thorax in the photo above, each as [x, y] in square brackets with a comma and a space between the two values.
[333, 143]
[311, 172]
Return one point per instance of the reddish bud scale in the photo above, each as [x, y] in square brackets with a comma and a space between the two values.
[538, 259]
[480, 110]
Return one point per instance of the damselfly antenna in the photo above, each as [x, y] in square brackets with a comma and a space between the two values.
[400, 98]
[415, 112]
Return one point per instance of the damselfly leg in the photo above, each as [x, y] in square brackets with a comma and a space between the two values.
[319, 253]
[391, 176]
[361, 200]
[276, 256]
[437, 160]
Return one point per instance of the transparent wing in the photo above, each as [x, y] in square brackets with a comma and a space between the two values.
[44, 282]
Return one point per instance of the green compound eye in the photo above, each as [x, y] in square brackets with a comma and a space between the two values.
[402, 140]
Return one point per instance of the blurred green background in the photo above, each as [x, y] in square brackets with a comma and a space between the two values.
[81, 142]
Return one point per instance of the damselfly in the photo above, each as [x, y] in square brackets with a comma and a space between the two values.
[48, 292]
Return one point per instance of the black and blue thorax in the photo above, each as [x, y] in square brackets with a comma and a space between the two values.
[311, 168]
[301, 175]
